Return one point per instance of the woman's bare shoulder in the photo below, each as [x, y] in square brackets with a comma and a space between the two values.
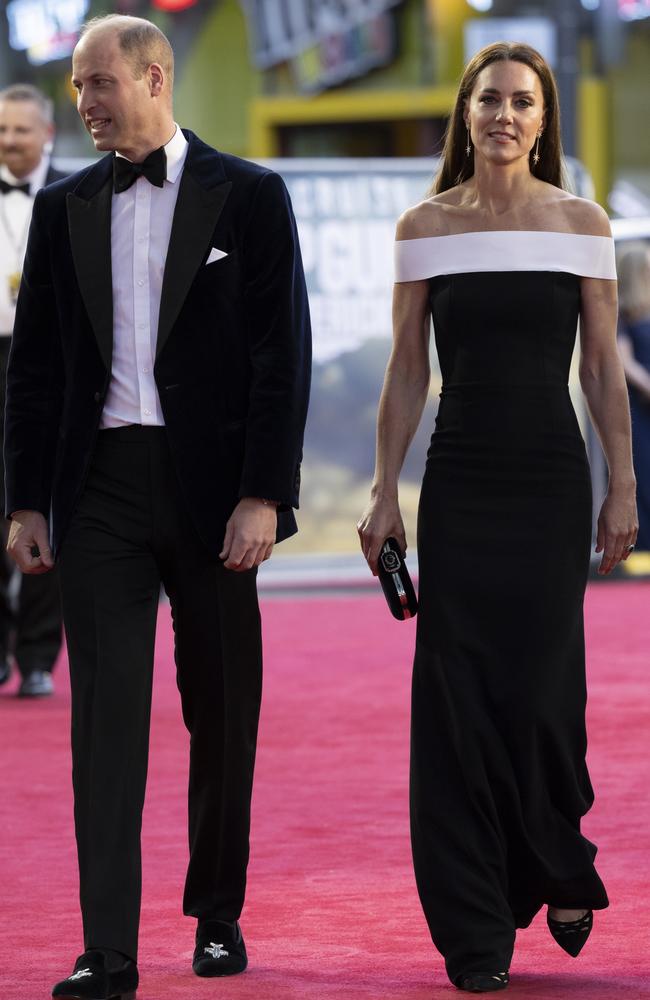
[431, 217]
[584, 216]
[424, 219]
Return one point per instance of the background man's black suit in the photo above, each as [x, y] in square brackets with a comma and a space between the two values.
[35, 615]
[137, 506]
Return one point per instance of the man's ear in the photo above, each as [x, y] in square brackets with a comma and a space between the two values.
[156, 79]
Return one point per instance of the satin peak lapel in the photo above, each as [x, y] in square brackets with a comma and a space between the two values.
[89, 224]
[195, 217]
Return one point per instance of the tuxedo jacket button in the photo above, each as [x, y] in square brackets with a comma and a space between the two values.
[98, 397]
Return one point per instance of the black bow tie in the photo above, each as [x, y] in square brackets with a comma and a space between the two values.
[6, 188]
[154, 168]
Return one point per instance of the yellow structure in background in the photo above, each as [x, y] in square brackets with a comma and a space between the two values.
[268, 114]
[594, 140]
[447, 19]
[383, 96]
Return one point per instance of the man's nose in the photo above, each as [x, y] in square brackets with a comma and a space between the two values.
[84, 103]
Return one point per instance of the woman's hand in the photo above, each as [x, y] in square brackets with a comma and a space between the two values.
[380, 520]
[617, 527]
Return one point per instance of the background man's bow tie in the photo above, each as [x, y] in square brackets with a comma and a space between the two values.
[6, 188]
[154, 168]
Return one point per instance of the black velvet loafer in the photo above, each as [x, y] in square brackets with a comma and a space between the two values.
[220, 949]
[91, 980]
[484, 982]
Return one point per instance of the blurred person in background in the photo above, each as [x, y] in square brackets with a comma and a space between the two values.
[30, 606]
[156, 400]
[634, 347]
[505, 262]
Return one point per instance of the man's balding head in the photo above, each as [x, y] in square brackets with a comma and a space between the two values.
[140, 41]
[122, 70]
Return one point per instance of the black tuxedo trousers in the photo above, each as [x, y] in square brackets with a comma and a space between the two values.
[130, 533]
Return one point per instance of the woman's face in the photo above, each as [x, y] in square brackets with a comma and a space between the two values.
[505, 111]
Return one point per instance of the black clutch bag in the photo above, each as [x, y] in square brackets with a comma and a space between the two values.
[396, 582]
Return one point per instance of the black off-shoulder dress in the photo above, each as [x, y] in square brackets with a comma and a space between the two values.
[499, 782]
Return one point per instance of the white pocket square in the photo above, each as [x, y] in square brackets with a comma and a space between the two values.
[215, 255]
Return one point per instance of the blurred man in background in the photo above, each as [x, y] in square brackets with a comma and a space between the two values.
[30, 613]
[633, 267]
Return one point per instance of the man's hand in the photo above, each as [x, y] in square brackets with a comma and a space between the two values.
[250, 534]
[29, 543]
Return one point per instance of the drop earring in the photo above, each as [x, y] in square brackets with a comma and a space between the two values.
[468, 147]
[536, 153]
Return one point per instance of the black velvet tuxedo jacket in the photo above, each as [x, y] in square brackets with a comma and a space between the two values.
[233, 348]
[53, 175]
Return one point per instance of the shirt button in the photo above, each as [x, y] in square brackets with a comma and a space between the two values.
[145, 370]
[140, 239]
[141, 282]
[147, 413]
[141, 326]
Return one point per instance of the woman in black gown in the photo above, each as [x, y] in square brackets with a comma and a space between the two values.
[504, 261]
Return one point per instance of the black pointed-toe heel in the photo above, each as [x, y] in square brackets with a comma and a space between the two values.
[571, 935]
[484, 982]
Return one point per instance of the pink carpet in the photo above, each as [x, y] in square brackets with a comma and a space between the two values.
[332, 910]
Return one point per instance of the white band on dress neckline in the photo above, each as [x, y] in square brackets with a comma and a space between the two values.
[505, 250]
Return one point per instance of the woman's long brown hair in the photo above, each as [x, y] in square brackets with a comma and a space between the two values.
[457, 166]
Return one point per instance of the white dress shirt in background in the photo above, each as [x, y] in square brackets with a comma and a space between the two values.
[15, 214]
[141, 222]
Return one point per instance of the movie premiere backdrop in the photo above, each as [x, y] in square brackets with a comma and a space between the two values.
[346, 213]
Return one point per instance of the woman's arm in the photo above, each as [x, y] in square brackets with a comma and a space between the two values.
[603, 383]
[402, 400]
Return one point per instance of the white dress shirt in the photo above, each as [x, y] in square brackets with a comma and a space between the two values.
[141, 222]
[15, 216]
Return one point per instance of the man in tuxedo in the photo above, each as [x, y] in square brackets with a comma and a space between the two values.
[156, 399]
[30, 606]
